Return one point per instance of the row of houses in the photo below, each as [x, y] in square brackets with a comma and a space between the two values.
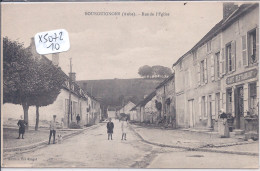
[71, 101]
[219, 72]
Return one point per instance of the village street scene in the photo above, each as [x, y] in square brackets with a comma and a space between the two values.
[169, 92]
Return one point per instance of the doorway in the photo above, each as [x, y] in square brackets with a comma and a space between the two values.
[191, 113]
[239, 105]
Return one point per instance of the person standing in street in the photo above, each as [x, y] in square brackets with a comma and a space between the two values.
[78, 119]
[21, 123]
[52, 129]
[110, 127]
[124, 126]
[223, 125]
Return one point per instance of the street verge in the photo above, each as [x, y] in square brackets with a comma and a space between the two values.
[203, 148]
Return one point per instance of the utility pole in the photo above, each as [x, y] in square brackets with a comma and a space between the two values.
[70, 82]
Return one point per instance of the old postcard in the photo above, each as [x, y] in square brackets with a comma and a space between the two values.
[130, 85]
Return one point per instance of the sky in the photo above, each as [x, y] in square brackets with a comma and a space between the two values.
[108, 47]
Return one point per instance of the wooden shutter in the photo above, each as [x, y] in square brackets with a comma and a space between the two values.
[244, 50]
[206, 106]
[205, 71]
[257, 44]
[199, 107]
[213, 106]
[198, 73]
[233, 55]
[223, 62]
[212, 62]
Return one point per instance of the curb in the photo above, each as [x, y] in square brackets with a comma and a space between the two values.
[199, 148]
[45, 143]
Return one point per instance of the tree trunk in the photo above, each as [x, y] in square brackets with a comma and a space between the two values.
[25, 110]
[37, 118]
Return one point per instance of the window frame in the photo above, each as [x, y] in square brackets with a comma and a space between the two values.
[229, 57]
[249, 48]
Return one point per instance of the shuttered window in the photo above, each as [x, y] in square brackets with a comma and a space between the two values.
[217, 64]
[212, 62]
[202, 70]
[222, 63]
[228, 58]
[252, 47]
[233, 55]
[198, 73]
[244, 51]
[205, 71]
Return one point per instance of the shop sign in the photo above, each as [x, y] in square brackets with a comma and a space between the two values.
[242, 76]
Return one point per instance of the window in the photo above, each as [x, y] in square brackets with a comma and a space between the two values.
[229, 57]
[202, 70]
[217, 101]
[229, 100]
[209, 46]
[203, 106]
[253, 108]
[252, 47]
[217, 64]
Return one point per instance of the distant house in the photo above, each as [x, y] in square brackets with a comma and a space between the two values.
[82, 103]
[145, 110]
[111, 112]
[126, 108]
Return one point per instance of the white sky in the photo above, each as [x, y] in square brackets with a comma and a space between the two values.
[107, 47]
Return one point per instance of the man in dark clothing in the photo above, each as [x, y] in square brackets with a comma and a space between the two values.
[78, 119]
[21, 123]
[110, 127]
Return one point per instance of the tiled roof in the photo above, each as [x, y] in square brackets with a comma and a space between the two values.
[223, 24]
[145, 100]
[77, 90]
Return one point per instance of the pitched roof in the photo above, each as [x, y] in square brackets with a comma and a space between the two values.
[77, 90]
[145, 100]
[165, 81]
[223, 24]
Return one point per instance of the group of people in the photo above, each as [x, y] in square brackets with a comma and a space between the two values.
[124, 127]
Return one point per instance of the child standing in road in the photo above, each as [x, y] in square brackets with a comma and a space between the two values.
[110, 127]
[124, 126]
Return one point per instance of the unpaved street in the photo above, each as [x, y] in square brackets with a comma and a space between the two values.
[92, 149]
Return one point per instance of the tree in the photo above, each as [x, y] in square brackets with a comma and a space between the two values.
[29, 80]
[161, 71]
[50, 82]
[145, 71]
[18, 76]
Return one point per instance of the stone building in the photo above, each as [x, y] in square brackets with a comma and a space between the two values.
[220, 71]
[82, 103]
[165, 95]
[127, 107]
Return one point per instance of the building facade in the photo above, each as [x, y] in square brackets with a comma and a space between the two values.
[221, 71]
[126, 108]
[165, 96]
[71, 101]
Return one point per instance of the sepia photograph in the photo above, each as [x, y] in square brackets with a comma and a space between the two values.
[130, 85]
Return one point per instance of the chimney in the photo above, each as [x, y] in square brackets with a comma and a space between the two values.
[55, 59]
[72, 75]
[228, 9]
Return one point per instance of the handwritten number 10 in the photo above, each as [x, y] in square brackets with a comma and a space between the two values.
[54, 46]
